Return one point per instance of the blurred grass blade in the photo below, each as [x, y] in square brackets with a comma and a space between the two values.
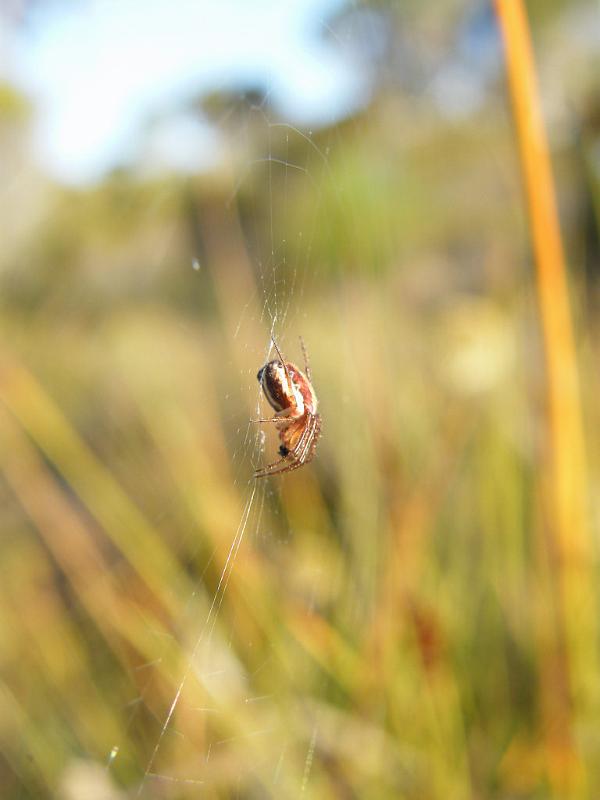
[97, 488]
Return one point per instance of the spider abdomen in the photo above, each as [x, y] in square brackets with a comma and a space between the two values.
[297, 398]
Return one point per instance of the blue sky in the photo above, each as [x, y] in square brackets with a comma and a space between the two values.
[98, 70]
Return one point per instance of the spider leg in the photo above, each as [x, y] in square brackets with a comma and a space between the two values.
[306, 361]
[304, 441]
[285, 468]
[300, 459]
[279, 416]
[283, 465]
[287, 374]
[300, 455]
[309, 446]
[286, 462]
[270, 468]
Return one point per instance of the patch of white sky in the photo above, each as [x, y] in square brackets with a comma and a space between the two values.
[101, 71]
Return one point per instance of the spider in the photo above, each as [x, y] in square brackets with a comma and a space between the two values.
[289, 391]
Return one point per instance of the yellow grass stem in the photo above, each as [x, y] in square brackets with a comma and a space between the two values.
[565, 478]
[552, 286]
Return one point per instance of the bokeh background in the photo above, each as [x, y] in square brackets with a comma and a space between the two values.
[401, 618]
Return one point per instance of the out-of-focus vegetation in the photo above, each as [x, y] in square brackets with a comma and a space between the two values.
[388, 622]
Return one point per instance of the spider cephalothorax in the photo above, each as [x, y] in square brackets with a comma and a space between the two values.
[289, 391]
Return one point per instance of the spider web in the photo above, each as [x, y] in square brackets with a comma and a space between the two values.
[208, 664]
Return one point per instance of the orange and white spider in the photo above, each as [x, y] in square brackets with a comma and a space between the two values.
[289, 391]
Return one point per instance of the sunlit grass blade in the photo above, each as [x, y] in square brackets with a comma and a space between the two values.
[569, 686]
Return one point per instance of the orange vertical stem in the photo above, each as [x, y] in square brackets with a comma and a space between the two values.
[565, 475]
[566, 437]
